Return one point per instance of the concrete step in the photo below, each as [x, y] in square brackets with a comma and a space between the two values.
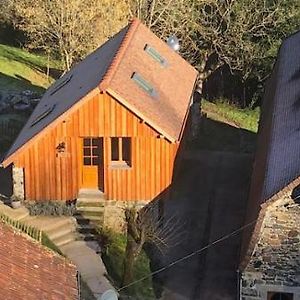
[89, 203]
[91, 215]
[87, 237]
[53, 235]
[65, 239]
[88, 218]
[86, 229]
[90, 194]
[49, 224]
[15, 214]
[90, 209]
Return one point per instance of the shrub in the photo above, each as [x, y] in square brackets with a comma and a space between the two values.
[51, 208]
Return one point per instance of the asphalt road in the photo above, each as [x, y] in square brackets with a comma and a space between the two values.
[210, 201]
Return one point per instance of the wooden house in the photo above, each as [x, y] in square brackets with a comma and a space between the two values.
[113, 123]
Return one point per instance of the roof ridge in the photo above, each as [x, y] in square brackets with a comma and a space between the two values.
[133, 25]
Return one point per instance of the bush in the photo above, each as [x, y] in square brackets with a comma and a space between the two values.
[50, 208]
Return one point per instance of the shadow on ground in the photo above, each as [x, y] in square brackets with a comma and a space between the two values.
[209, 195]
[18, 83]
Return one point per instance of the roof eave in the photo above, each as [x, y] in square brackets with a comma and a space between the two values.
[9, 159]
[141, 115]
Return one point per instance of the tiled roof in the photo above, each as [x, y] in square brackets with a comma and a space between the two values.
[173, 82]
[111, 67]
[29, 271]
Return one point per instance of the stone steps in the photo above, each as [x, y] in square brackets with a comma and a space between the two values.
[90, 209]
[89, 213]
[65, 239]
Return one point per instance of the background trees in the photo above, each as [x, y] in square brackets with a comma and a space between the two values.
[239, 37]
[242, 35]
[69, 28]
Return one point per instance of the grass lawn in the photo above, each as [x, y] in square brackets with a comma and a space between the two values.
[227, 128]
[21, 70]
[244, 118]
[113, 259]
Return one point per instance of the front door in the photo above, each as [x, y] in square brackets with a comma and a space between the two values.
[92, 163]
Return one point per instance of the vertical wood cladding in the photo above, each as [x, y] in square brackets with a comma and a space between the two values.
[51, 174]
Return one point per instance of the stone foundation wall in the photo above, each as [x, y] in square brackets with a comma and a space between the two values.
[18, 183]
[275, 263]
[114, 213]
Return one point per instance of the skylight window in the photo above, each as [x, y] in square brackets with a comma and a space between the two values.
[145, 85]
[154, 54]
[61, 84]
[43, 115]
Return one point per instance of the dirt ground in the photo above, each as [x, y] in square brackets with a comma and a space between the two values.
[209, 198]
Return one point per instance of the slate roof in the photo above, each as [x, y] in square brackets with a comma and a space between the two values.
[277, 161]
[84, 77]
[276, 169]
[111, 68]
[31, 271]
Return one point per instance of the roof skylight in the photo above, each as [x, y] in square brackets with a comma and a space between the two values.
[145, 85]
[43, 115]
[61, 84]
[155, 54]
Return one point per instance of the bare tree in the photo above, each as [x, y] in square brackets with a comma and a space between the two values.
[147, 226]
[70, 28]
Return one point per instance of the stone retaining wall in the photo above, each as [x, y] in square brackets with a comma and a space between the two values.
[114, 213]
[275, 262]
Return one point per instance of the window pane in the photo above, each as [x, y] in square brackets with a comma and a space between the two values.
[126, 149]
[95, 142]
[95, 161]
[87, 151]
[114, 148]
[95, 151]
[87, 161]
[87, 142]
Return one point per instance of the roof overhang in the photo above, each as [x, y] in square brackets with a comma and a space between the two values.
[140, 115]
[9, 159]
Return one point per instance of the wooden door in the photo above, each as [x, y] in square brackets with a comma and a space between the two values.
[92, 163]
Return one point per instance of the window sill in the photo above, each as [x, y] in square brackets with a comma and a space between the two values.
[119, 165]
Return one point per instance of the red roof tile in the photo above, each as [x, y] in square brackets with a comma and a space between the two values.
[29, 271]
[173, 83]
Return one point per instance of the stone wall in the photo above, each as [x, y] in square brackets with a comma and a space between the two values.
[275, 262]
[18, 183]
[114, 213]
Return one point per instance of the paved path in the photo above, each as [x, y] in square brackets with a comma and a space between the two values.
[210, 199]
[89, 264]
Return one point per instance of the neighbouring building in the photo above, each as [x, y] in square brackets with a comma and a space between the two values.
[270, 265]
[29, 270]
[113, 123]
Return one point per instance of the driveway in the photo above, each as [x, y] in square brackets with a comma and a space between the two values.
[210, 198]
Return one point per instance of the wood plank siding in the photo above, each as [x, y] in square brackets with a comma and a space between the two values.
[51, 175]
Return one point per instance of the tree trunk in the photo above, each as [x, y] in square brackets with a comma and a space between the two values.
[129, 261]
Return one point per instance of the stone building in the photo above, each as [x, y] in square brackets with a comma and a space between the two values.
[270, 254]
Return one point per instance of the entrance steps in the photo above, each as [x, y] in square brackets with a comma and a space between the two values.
[89, 213]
